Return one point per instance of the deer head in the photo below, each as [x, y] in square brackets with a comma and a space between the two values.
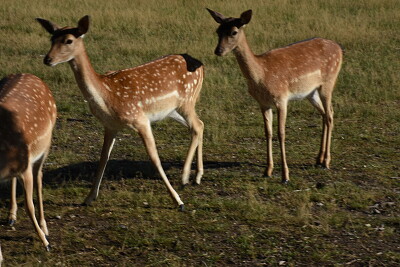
[65, 42]
[230, 32]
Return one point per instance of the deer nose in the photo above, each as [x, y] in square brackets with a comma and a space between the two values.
[218, 51]
[47, 60]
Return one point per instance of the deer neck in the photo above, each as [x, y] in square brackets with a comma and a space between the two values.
[88, 80]
[248, 62]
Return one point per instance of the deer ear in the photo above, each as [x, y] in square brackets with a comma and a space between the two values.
[48, 25]
[218, 17]
[245, 17]
[83, 25]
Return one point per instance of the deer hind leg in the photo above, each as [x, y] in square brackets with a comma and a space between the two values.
[326, 99]
[38, 179]
[315, 100]
[200, 167]
[12, 217]
[109, 139]
[145, 132]
[27, 179]
[196, 127]
[282, 113]
[267, 115]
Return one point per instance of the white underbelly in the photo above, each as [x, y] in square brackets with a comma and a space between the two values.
[159, 115]
[161, 106]
[304, 85]
[302, 95]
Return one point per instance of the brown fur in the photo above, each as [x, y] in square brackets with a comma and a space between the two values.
[134, 97]
[27, 116]
[306, 69]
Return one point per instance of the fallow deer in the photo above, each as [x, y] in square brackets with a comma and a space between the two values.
[307, 69]
[134, 97]
[27, 115]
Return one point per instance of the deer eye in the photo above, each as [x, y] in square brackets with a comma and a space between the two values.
[234, 33]
[68, 41]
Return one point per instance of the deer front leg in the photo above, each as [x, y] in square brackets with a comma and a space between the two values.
[282, 111]
[267, 115]
[38, 178]
[145, 132]
[109, 139]
[27, 179]
[12, 217]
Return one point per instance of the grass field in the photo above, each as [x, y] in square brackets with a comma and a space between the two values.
[348, 215]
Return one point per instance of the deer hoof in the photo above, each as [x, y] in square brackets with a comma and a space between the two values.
[86, 203]
[182, 207]
[267, 173]
[183, 186]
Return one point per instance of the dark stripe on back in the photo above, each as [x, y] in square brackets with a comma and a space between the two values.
[192, 64]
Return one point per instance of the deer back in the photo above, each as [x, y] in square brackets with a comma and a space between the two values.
[155, 88]
[27, 117]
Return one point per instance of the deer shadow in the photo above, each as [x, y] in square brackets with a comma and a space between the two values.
[120, 169]
[115, 170]
[125, 169]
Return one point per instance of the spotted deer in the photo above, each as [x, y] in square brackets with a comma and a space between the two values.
[27, 115]
[307, 69]
[134, 98]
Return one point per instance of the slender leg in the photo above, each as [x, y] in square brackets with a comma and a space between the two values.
[267, 115]
[282, 110]
[109, 139]
[200, 167]
[146, 134]
[325, 93]
[27, 179]
[37, 177]
[316, 102]
[196, 127]
[12, 217]
[329, 127]
[322, 150]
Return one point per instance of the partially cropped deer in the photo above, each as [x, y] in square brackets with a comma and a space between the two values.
[306, 69]
[133, 98]
[27, 117]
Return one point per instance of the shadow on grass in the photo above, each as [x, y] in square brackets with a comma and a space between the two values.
[115, 170]
[125, 169]
[120, 169]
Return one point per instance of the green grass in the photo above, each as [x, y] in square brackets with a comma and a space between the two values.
[346, 215]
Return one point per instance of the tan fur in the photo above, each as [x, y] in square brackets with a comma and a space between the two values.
[28, 114]
[134, 98]
[307, 69]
